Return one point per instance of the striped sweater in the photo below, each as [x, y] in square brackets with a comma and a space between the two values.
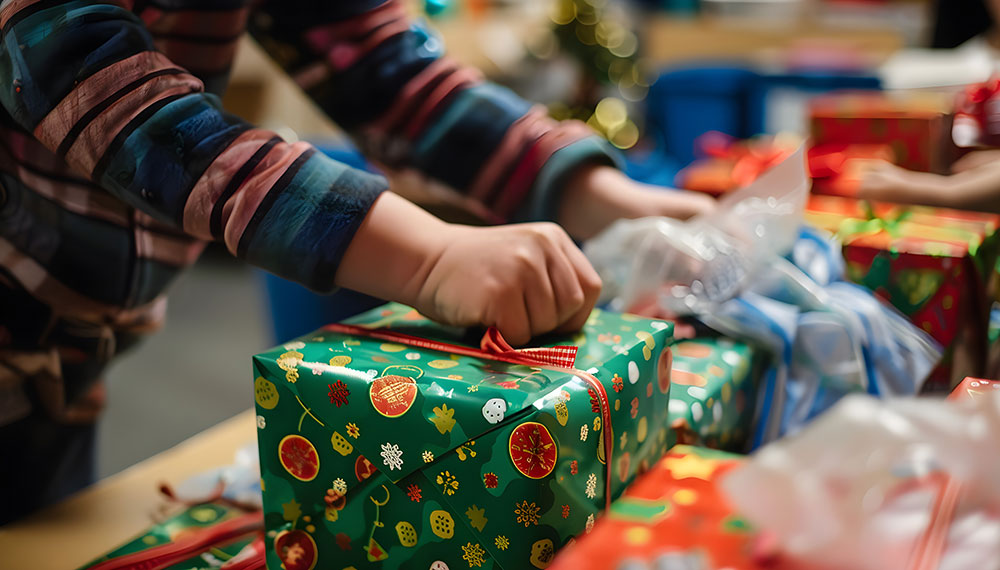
[118, 164]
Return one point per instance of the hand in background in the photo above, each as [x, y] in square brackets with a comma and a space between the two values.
[974, 186]
[596, 196]
[975, 160]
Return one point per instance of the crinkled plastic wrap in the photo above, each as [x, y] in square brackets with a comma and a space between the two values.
[688, 267]
[749, 271]
[874, 485]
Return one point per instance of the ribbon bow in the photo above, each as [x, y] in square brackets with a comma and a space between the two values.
[750, 158]
[873, 224]
[562, 356]
[978, 93]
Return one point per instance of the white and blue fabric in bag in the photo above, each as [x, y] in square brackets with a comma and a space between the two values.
[752, 272]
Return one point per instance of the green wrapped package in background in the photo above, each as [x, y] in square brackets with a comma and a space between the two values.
[382, 451]
[192, 520]
[714, 392]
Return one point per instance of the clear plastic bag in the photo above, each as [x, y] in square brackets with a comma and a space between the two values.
[904, 484]
[688, 267]
[748, 270]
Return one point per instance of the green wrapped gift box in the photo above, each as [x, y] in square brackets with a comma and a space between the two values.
[713, 393]
[390, 440]
[185, 541]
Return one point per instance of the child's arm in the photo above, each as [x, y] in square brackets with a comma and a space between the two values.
[974, 188]
[86, 81]
[388, 82]
[596, 196]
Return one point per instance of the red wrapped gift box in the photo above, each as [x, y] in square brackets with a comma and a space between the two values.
[916, 127]
[972, 388]
[729, 163]
[674, 516]
[935, 265]
[836, 168]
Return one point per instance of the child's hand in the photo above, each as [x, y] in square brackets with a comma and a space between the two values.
[975, 187]
[596, 196]
[886, 182]
[526, 279]
[975, 160]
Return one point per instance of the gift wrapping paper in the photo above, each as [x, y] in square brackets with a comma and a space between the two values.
[379, 444]
[936, 266]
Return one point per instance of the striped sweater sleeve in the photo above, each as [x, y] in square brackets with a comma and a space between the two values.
[387, 81]
[85, 80]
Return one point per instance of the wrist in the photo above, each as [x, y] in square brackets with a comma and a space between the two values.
[393, 250]
[598, 195]
[591, 199]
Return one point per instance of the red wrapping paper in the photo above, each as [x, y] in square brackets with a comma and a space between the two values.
[674, 511]
[916, 128]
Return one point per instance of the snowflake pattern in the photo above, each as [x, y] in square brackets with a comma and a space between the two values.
[413, 491]
[473, 554]
[448, 482]
[617, 383]
[353, 431]
[428, 456]
[590, 523]
[338, 393]
[490, 480]
[261, 422]
[565, 511]
[573, 467]
[591, 486]
[392, 456]
[527, 513]
[502, 542]
[584, 430]
[339, 485]
[473, 388]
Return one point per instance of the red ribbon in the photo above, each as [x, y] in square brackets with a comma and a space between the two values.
[193, 543]
[750, 159]
[932, 544]
[972, 101]
[494, 347]
[561, 356]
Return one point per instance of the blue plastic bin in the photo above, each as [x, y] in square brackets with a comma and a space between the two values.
[685, 103]
[779, 102]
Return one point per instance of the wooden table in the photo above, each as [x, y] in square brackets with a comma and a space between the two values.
[99, 518]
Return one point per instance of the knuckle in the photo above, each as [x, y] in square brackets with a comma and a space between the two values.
[576, 298]
[493, 288]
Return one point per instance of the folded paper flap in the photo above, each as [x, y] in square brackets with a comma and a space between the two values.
[423, 398]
